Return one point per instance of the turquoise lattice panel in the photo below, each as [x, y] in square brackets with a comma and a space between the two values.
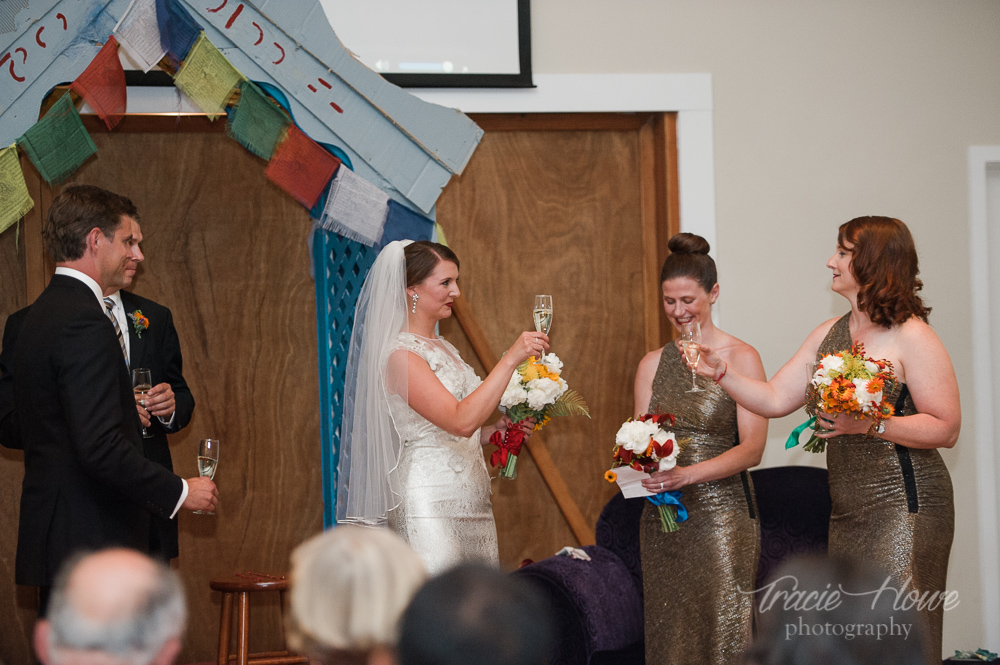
[341, 267]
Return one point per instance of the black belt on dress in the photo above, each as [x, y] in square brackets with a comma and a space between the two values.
[905, 463]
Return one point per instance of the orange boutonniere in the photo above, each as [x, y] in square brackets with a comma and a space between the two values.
[139, 322]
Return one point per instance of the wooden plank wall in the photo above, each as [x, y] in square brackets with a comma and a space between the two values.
[226, 251]
[575, 206]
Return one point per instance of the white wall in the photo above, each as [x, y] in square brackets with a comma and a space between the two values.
[823, 112]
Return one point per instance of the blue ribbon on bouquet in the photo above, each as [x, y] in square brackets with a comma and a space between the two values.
[670, 499]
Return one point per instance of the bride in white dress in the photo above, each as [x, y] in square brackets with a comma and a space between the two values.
[414, 410]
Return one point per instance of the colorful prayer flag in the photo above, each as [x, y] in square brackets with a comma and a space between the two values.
[301, 167]
[207, 77]
[102, 84]
[15, 202]
[256, 122]
[178, 31]
[58, 143]
[355, 208]
[139, 33]
[401, 223]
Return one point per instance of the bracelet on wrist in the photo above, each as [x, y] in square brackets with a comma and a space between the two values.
[725, 368]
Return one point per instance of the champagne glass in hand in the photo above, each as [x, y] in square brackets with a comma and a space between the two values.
[208, 460]
[142, 383]
[543, 314]
[691, 346]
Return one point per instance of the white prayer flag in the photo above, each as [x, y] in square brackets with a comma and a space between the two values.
[139, 33]
[355, 208]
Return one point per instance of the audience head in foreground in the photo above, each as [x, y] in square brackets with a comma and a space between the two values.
[474, 614]
[114, 607]
[847, 620]
[349, 587]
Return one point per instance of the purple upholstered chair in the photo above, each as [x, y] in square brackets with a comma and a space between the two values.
[597, 604]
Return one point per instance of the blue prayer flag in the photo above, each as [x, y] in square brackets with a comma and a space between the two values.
[178, 31]
[401, 223]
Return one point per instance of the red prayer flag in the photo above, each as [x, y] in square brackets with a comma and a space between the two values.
[102, 84]
[301, 167]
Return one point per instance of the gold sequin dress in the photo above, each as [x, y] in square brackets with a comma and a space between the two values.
[694, 579]
[892, 505]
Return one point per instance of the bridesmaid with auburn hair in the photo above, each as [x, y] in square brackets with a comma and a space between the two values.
[891, 492]
[695, 579]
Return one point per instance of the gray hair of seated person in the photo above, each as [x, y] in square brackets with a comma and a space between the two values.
[475, 614]
[349, 586]
[159, 616]
[829, 631]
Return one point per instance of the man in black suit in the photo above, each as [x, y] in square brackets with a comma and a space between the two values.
[87, 483]
[155, 347]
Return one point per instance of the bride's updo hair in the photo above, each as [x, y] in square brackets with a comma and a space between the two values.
[422, 257]
[689, 258]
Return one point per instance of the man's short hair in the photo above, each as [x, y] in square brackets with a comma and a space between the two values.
[77, 210]
[156, 615]
[475, 614]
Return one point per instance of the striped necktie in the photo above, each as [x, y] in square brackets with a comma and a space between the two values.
[109, 304]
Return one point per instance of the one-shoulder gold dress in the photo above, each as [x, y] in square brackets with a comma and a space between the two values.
[698, 581]
[892, 505]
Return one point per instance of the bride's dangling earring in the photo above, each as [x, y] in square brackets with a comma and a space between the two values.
[414, 297]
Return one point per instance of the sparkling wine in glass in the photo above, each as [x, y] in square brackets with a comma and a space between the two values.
[691, 345]
[142, 383]
[208, 460]
[543, 314]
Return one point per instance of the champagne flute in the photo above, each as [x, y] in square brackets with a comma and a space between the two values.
[142, 383]
[208, 460]
[543, 315]
[691, 345]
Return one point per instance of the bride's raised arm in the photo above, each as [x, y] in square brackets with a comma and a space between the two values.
[426, 395]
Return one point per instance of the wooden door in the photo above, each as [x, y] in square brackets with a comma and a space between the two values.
[579, 207]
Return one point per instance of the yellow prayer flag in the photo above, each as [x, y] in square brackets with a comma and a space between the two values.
[440, 232]
[207, 77]
[15, 202]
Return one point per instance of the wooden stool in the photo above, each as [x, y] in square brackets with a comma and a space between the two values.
[242, 585]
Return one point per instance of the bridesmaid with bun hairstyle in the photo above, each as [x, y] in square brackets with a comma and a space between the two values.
[695, 579]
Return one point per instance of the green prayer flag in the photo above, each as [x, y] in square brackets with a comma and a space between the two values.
[15, 202]
[257, 122]
[207, 78]
[58, 143]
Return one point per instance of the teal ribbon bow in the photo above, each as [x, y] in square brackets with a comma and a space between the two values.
[793, 438]
[670, 499]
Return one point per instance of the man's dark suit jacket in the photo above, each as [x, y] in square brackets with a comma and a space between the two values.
[159, 351]
[87, 483]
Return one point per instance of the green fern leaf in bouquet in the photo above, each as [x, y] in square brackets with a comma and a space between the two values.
[570, 404]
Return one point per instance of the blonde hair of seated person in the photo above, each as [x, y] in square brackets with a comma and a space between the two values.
[349, 587]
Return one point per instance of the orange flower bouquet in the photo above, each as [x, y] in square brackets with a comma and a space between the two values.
[847, 382]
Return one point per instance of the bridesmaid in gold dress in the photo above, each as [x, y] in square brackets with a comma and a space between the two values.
[891, 492]
[696, 580]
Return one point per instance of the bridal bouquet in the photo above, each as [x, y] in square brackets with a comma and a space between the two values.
[537, 391]
[644, 445]
[847, 382]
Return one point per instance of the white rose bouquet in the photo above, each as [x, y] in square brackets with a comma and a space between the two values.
[536, 390]
[644, 445]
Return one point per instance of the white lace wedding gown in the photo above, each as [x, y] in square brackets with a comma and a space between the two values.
[445, 513]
